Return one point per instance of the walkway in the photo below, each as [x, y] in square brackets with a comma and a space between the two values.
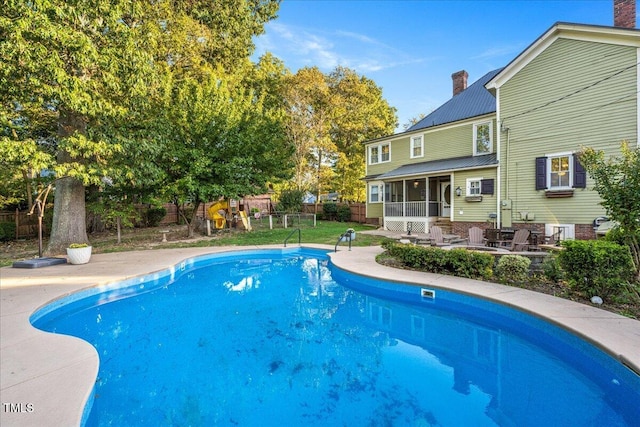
[48, 378]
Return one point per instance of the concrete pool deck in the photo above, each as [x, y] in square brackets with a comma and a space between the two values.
[46, 379]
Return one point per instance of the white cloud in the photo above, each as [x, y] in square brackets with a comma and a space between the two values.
[498, 52]
[326, 50]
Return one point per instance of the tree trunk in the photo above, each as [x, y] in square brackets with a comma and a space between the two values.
[69, 225]
[69, 212]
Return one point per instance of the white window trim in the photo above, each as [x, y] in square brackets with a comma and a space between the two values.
[475, 133]
[380, 187]
[411, 155]
[571, 171]
[468, 190]
[379, 157]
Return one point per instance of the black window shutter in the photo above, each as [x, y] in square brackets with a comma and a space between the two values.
[579, 174]
[541, 173]
[486, 186]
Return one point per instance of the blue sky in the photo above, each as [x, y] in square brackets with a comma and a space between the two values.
[411, 48]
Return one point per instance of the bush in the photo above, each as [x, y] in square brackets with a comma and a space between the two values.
[153, 216]
[513, 269]
[7, 231]
[290, 201]
[344, 213]
[329, 210]
[459, 262]
[597, 267]
[552, 270]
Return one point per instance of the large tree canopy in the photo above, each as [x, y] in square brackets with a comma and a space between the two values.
[328, 118]
[220, 141]
[76, 75]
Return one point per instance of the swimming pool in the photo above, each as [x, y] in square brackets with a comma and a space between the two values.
[285, 338]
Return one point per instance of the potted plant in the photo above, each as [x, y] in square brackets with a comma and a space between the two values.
[79, 253]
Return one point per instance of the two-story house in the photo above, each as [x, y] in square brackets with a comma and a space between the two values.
[502, 151]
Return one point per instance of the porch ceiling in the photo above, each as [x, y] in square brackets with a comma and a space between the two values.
[458, 163]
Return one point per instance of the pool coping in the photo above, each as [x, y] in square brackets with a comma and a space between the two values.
[48, 378]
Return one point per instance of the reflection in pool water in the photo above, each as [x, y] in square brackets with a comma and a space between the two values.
[282, 338]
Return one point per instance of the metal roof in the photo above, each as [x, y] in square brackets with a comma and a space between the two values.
[458, 163]
[474, 101]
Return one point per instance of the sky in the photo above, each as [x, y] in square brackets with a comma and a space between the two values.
[411, 48]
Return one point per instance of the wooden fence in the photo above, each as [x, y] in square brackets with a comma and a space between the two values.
[358, 210]
[26, 225]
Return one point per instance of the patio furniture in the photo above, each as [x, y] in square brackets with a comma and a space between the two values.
[520, 241]
[493, 237]
[476, 237]
[437, 238]
[554, 239]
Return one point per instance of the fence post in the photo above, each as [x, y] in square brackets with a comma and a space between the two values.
[17, 223]
[285, 220]
[270, 222]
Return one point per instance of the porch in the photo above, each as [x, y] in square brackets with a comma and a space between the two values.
[417, 204]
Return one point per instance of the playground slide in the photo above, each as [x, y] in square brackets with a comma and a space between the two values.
[245, 221]
[217, 213]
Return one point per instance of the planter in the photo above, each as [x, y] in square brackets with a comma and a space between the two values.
[79, 255]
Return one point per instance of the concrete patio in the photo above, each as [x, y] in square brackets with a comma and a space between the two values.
[48, 378]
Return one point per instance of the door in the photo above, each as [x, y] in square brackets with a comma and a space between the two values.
[445, 199]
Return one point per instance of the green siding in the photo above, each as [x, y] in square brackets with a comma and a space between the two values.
[443, 143]
[474, 211]
[374, 210]
[569, 96]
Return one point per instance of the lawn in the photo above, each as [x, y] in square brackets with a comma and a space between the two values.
[325, 232]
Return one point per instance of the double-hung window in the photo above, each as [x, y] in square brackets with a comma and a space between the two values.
[482, 138]
[379, 153]
[375, 193]
[417, 146]
[559, 171]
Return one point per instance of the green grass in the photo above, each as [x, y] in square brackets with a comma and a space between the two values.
[325, 232]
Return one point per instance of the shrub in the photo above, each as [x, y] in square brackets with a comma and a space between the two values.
[329, 210]
[7, 231]
[597, 267]
[459, 262]
[513, 269]
[551, 269]
[290, 201]
[344, 213]
[154, 215]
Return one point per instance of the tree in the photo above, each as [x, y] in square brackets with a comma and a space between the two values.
[218, 141]
[617, 181]
[361, 113]
[329, 116]
[94, 66]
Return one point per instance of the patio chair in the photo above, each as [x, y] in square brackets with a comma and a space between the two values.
[520, 240]
[476, 237]
[437, 238]
[554, 239]
[493, 237]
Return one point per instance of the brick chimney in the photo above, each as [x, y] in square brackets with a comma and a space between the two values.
[624, 13]
[460, 81]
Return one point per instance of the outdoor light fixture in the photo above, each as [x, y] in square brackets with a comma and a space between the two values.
[458, 191]
[415, 183]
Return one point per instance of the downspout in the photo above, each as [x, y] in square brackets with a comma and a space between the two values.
[498, 169]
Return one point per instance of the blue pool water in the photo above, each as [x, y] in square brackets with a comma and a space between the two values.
[283, 338]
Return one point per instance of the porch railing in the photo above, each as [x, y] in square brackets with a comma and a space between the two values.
[418, 209]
